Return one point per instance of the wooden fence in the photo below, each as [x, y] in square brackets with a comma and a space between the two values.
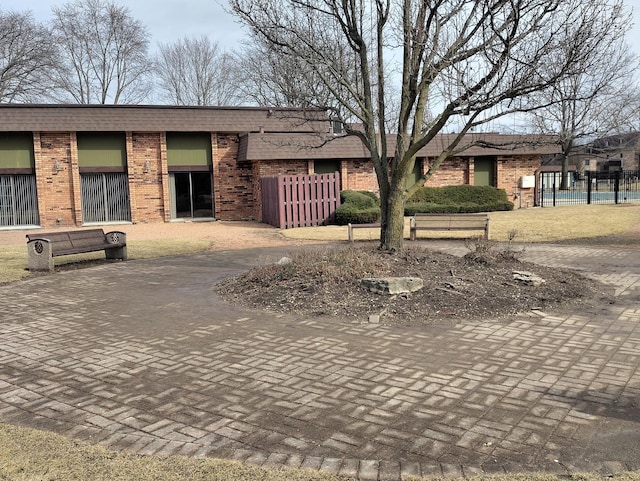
[300, 200]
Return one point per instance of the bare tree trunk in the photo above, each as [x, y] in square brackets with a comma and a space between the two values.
[564, 179]
[392, 234]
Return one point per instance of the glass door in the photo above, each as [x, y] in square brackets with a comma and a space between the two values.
[191, 195]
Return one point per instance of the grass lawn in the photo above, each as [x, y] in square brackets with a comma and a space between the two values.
[30, 455]
[13, 258]
[551, 224]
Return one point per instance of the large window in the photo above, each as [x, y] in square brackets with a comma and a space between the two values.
[105, 198]
[18, 194]
[102, 159]
[18, 200]
[189, 159]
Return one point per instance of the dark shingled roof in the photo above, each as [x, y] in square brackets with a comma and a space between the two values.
[145, 118]
[266, 146]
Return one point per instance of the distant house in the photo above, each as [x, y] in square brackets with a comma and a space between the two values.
[74, 165]
[607, 154]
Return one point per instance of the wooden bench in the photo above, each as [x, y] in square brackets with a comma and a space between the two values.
[449, 222]
[43, 247]
[350, 228]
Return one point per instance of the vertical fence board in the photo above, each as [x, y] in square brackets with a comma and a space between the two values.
[299, 200]
[313, 200]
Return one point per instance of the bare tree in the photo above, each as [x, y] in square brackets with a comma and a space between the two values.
[597, 97]
[27, 54]
[104, 53]
[195, 71]
[460, 63]
[274, 78]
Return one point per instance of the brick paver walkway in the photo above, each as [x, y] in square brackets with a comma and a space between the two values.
[143, 356]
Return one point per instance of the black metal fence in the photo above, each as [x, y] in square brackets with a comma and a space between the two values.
[615, 187]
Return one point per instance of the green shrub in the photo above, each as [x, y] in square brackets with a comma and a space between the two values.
[430, 195]
[458, 198]
[466, 208]
[350, 214]
[459, 194]
[360, 199]
[358, 207]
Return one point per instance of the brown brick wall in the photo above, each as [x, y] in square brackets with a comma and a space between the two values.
[55, 187]
[146, 174]
[453, 171]
[232, 180]
[510, 170]
[236, 184]
[358, 175]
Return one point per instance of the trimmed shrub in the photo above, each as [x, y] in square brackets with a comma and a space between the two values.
[358, 207]
[466, 208]
[459, 194]
[348, 214]
[360, 198]
[458, 199]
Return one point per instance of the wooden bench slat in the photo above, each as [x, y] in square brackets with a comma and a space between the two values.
[436, 222]
[449, 222]
[350, 228]
[83, 249]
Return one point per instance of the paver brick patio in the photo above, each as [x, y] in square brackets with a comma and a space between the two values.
[144, 356]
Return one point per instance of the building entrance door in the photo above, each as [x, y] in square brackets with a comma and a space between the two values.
[191, 195]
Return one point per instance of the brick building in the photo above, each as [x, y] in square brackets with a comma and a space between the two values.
[74, 165]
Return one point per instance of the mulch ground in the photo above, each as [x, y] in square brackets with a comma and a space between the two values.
[479, 286]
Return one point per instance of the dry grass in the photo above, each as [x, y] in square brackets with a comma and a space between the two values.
[13, 258]
[552, 224]
[557, 224]
[30, 455]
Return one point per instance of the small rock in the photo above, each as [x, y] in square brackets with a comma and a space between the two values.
[285, 261]
[374, 319]
[528, 278]
[391, 285]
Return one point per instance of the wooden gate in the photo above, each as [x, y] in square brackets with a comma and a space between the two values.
[300, 200]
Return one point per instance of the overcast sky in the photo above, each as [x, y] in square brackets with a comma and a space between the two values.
[169, 20]
[166, 20]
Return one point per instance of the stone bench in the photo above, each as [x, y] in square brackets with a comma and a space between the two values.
[43, 247]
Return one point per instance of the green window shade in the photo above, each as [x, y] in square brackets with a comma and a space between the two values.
[188, 149]
[102, 149]
[16, 150]
[326, 166]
